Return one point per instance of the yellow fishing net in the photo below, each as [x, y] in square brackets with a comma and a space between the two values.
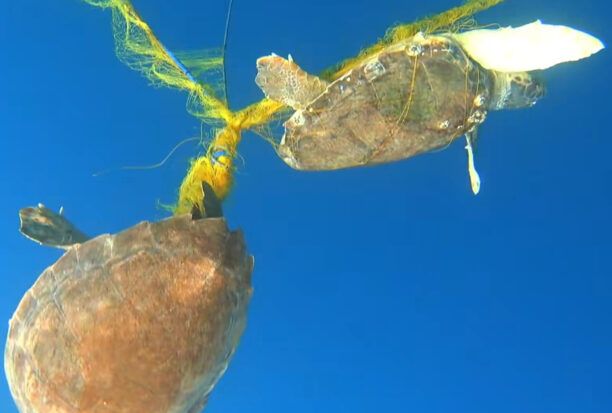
[200, 74]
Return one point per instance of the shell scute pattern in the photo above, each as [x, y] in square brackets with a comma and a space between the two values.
[146, 321]
[389, 108]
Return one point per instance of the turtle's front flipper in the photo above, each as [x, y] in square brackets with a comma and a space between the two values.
[211, 203]
[470, 138]
[284, 81]
[46, 227]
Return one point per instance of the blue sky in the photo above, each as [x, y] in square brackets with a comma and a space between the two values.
[378, 289]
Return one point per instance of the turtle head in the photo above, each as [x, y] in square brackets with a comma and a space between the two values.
[515, 90]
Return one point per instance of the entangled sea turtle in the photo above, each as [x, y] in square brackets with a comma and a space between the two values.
[411, 97]
[142, 321]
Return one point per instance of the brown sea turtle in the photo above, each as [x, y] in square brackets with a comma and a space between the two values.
[142, 321]
[410, 98]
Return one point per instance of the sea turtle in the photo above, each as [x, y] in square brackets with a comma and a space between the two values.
[409, 98]
[142, 321]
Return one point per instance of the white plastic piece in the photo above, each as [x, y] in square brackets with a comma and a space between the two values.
[474, 177]
[534, 46]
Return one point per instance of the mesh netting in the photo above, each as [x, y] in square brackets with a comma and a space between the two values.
[200, 75]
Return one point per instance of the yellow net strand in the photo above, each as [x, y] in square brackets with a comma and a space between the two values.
[138, 47]
[405, 31]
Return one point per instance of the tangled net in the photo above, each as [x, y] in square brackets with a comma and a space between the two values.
[200, 75]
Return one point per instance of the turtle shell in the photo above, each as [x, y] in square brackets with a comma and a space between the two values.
[410, 98]
[142, 321]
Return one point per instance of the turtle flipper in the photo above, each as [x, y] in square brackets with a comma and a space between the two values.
[471, 136]
[46, 227]
[210, 202]
[283, 80]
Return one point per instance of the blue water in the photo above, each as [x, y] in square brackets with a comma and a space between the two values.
[379, 289]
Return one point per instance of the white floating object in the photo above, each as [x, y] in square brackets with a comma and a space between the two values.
[474, 177]
[534, 46]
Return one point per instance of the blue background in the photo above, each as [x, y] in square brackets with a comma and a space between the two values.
[378, 289]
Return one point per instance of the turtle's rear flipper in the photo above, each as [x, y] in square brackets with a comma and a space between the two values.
[46, 227]
[211, 203]
[284, 81]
